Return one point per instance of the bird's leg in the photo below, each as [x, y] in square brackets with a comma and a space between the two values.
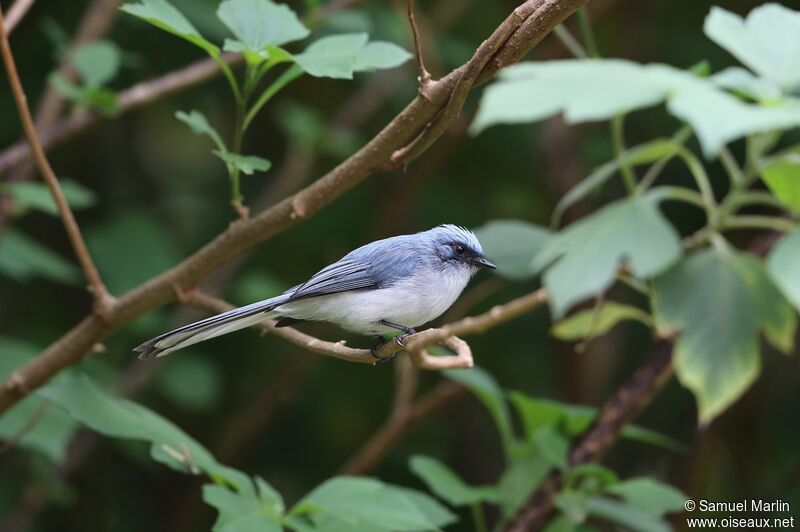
[397, 339]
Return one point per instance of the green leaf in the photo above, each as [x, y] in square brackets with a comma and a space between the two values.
[247, 164]
[53, 431]
[162, 14]
[199, 125]
[739, 80]
[719, 300]
[97, 63]
[766, 41]
[339, 56]
[782, 176]
[370, 502]
[783, 266]
[528, 92]
[629, 517]
[552, 446]
[597, 321]
[486, 389]
[524, 473]
[536, 413]
[447, 485]
[582, 260]
[99, 98]
[379, 55]
[258, 24]
[33, 195]
[642, 154]
[253, 507]
[192, 383]
[511, 245]
[120, 418]
[560, 523]
[23, 258]
[649, 495]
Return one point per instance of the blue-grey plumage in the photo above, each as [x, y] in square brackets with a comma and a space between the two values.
[389, 285]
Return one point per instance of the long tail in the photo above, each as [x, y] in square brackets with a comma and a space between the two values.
[202, 330]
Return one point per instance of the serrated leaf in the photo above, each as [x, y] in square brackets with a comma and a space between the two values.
[447, 485]
[720, 301]
[649, 495]
[339, 56]
[739, 80]
[389, 507]
[511, 245]
[121, 418]
[597, 321]
[257, 507]
[783, 266]
[552, 446]
[528, 92]
[484, 387]
[258, 24]
[247, 164]
[766, 41]
[97, 63]
[33, 195]
[582, 260]
[199, 125]
[164, 15]
[782, 176]
[23, 258]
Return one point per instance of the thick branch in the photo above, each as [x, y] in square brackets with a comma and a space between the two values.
[629, 400]
[241, 236]
[102, 298]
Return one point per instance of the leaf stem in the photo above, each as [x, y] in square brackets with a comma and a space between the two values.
[701, 178]
[759, 222]
[618, 139]
[287, 77]
[228, 73]
[681, 136]
[585, 25]
[478, 517]
[233, 170]
[735, 172]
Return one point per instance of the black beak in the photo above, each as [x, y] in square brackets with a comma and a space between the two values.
[481, 261]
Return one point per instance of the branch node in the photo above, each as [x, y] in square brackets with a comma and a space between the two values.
[17, 383]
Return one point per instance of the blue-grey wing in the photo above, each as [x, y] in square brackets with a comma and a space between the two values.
[340, 276]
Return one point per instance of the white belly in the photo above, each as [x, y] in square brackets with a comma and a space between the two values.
[409, 303]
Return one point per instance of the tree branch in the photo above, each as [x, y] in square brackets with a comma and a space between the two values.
[16, 12]
[103, 299]
[239, 237]
[629, 400]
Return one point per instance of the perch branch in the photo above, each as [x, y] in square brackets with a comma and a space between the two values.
[629, 400]
[241, 236]
[103, 299]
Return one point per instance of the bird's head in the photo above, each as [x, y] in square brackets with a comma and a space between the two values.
[457, 246]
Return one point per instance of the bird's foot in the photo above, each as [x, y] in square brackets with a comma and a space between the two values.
[376, 349]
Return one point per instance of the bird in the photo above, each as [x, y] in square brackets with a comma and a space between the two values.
[388, 286]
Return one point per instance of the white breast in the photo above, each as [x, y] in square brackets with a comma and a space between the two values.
[411, 303]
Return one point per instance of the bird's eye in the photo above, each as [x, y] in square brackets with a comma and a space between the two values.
[459, 249]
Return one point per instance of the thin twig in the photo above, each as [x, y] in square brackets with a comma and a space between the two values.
[103, 300]
[16, 12]
[629, 400]
[239, 237]
[424, 75]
